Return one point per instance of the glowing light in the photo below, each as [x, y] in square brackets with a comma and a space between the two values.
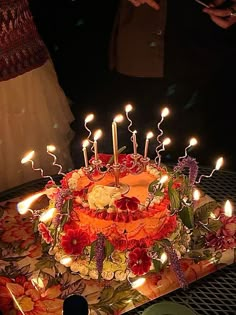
[37, 283]
[149, 135]
[196, 194]
[138, 283]
[163, 257]
[228, 209]
[219, 163]
[128, 108]
[118, 118]
[85, 143]
[166, 141]
[24, 206]
[66, 261]
[192, 142]
[165, 112]
[97, 134]
[47, 215]
[51, 148]
[27, 157]
[89, 118]
[163, 179]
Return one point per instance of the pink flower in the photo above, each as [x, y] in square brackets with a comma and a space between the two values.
[139, 262]
[225, 237]
[46, 235]
[74, 241]
[127, 203]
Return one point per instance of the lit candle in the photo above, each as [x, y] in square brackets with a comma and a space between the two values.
[85, 144]
[148, 137]
[28, 158]
[165, 142]
[47, 215]
[24, 206]
[228, 209]
[128, 108]
[165, 112]
[196, 194]
[88, 118]
[97, 135]
[219, 163]
[50, 149]
[134, 142]
[116, 120]
[192, 142]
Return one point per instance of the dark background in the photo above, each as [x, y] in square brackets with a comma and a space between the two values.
[198, 87]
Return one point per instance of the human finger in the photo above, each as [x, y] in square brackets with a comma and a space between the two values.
[218, 12]
[153, 4]
[136, 3]
[223, 23]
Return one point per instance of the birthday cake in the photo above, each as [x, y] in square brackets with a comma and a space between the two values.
[122, 216]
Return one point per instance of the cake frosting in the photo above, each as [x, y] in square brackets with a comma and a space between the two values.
[110, 232]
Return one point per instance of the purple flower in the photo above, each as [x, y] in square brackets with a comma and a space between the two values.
[191, 164]
[100, 252]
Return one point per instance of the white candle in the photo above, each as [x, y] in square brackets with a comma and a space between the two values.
[134, 142]
[148, 137]
[228, 209]
[118, 118]
[85, 144]
[97, 135]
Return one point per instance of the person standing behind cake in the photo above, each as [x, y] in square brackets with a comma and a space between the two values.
[34, 110]
[170, 52]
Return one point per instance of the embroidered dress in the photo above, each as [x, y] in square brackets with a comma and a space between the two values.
[34, 111]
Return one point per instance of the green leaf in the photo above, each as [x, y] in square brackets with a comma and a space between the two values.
[44, 263]
[107, 294]
[214, 225]
[174, 197]
[186, 215]
[111, 160]
[67, 206]
[157, 265]
[203, 213]
[109, 248]
[92, 250]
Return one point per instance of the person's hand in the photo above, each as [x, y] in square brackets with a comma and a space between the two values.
[223, 17]
[151, 3]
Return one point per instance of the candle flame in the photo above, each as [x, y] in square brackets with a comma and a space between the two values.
[149, 135]
[66, 261]
[137, 283]
[85, 143]
[47, 215]
[89, 118]
[166, 141]
[163, 257]
[165, 112]
[163, 179]
[97, 134]
[37, 283]
[219, 163]
[27, 157]
[24, 206]
[118, 118]
[128, 108]
[193, 141]
[196, 194]
[51, 148]
[228, 209]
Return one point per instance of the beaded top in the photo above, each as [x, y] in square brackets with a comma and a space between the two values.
[21, 48]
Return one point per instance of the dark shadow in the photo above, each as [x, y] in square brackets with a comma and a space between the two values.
[75, 304]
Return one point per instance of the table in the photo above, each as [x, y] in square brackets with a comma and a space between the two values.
[213, 294]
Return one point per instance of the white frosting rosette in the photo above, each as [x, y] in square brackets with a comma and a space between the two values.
[102, 196]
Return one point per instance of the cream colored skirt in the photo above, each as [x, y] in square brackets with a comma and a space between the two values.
[34, 113]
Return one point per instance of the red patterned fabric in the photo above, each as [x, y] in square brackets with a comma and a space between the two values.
[21, 48]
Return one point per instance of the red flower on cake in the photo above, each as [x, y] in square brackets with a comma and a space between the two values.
[46, 235]
[127, 203]
[74, 241]
[225, 237]
[139, 262]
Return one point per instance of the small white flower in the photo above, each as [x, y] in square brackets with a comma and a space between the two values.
[102, 196]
